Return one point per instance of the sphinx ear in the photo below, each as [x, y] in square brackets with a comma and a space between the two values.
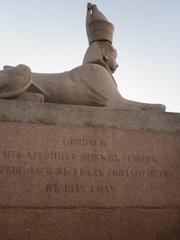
[104, 54]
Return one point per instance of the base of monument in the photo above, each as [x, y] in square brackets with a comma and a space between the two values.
[88, 224]
[74, 172]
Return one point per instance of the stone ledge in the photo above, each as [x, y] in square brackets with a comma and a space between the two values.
[87, 116]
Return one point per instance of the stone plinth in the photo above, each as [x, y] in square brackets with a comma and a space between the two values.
[74, 172]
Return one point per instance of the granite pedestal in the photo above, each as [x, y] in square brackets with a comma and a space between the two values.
[75, 172]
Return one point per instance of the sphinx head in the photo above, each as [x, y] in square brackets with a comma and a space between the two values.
[100, 35]
[103, 53]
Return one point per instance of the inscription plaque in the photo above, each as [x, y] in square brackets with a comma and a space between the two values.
[54, 166]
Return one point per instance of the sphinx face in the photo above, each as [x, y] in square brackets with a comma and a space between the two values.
[111, 59]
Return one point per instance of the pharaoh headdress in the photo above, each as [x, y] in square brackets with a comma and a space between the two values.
[97, 26]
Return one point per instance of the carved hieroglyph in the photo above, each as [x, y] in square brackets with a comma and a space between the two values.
[90, 84]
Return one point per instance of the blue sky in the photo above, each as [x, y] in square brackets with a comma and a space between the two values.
[49, 36]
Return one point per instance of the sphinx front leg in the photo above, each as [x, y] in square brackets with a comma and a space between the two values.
[142, 106]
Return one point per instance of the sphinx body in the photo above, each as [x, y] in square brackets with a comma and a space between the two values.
[90, 84]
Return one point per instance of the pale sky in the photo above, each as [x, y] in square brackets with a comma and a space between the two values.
[50, 36]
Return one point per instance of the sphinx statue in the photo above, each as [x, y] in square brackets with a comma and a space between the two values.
[91, 84]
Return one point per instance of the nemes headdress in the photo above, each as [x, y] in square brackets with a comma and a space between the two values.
[97, 26]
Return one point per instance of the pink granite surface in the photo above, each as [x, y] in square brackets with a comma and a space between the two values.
[90, 224]
[60, 182]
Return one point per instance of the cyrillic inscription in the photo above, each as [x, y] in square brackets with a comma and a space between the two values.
[83, 172]
[44, 165]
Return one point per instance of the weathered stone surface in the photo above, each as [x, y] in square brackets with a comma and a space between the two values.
[83, 116]
[88, 224]
[74, 172]
[55, 166]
